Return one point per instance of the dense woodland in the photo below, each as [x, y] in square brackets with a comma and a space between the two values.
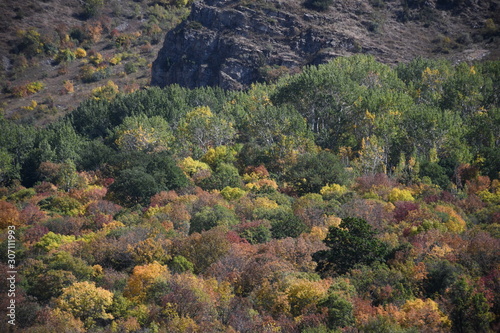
[351, 197]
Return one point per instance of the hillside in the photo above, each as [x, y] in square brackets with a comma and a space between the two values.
[225, 43]
[358, 195]
[234, 43]
[352, 197]
[39, 42]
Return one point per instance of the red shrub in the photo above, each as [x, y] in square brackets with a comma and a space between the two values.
[31, 214]
[35, 233]
[403, 208]
[368, 182]
[163, 198]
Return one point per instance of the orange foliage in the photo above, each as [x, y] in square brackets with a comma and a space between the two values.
[9, 215]
[88, 194]
[142, 278]
[93, 29]
[150, 251]
[163, 198]
[454, 223]
[31, 214]
[476, 185]
[296, 251]
[424, 315]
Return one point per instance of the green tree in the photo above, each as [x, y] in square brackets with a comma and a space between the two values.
[50, 284]
[143, 133]
[224, 175]
[330, 97]
[17, 143]
[287, 225]
[6, 166]
[313, 171]
[134, 186]
[339, 305]
[470, 309]
[64, 261]
[180, 264]
[200, 130]
[426, 128]
[91, 8]
[142, 175]
[165, 171]
[352, 242]
[340, 310]
[210, 217]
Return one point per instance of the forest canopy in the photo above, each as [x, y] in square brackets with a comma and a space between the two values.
[351, 195]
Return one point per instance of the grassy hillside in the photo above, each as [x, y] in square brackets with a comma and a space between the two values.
[42, 42]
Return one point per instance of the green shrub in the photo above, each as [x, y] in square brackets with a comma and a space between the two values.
[210, 217]
[319, 5]
[131, 67]
[232, 193]
[180, 264]
[23, 194]
[92, 8]
[89, 73]
[62, 205]
[65, 55]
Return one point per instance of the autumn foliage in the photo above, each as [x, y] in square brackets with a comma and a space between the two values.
[372, 206]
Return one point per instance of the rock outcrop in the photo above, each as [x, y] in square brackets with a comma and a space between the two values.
[233, 43]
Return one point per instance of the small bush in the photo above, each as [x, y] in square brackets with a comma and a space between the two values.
[131, 67]
[65, 55]
[319, 5]
[92, 8]
[68, 87]
[116, 60]
[95, 58]
[27, 89]
[109, 91]
[22, 194]
[30, 42]
[80, 53]
[333, 191]
[90, 74]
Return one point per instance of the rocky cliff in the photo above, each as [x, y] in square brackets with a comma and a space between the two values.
[232, 43]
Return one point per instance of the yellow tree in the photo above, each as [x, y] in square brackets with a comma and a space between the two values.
[9, 215]
[149, 250]
[424, 315]
[304, 294]
[201, 129]
[140, 133]
[142, 278]
[86, 301]
[372, 156]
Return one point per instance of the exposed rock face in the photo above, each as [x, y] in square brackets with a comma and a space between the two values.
[230, 43]
[227, 44]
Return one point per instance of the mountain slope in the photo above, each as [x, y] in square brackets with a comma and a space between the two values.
[234, 43]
